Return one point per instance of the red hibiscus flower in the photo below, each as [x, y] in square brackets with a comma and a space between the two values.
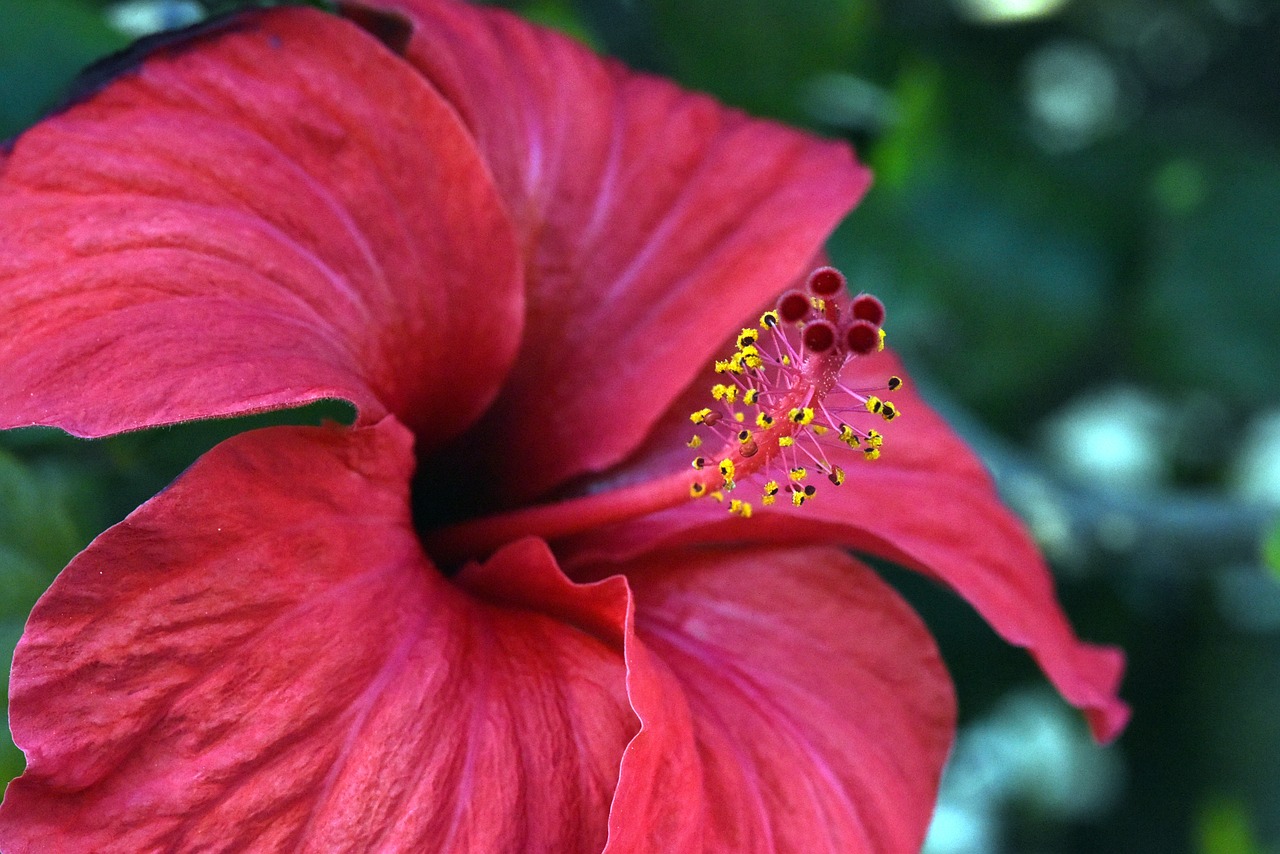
[520, 263]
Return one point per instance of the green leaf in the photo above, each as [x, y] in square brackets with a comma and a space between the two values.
[37, 532]
[1271, 551]
[1224, 828]
[42, 47]
[758, 54]
[559, 15]
[1211, 312]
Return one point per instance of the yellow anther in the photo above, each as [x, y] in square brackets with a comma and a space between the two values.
[750, 357]
[770, 489]
[718, 495]
[719, 390]
[700, 417]
[801, 415]
[880, 345]
[836, 476]
[767, 500]
[798, 474]
[895, 383]
[726, 470]
[769, 319]
[764, 420]
[747, 337]
[874, 404]
[697, 489]
[740, 508]
[699, 463]
[797, 498]
[874, 439]
[819, 303]
[695, 442]
[744, 436]
[871, 453]
[751, 396]
[820, 429]
[786, 441]
[888, 412]
[724, 367]
[740, 417]
[849, 437]
[786, 360]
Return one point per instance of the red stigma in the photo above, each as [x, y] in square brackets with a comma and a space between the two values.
[863, 336]
[868, 308]
[818, 336]
[826, 282]
[794, 306]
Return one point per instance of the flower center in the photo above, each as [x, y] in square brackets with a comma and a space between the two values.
[781, 418]
[783, 415]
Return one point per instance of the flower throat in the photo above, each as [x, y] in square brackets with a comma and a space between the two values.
[781, 419]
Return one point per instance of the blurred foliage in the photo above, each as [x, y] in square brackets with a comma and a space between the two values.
[1224, 829]
[1080, 206]
[1271, 551]
[42, 45]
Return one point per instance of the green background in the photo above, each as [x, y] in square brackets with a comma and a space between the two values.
[1076, 228]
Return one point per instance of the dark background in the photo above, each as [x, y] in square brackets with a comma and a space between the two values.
[1076, 227]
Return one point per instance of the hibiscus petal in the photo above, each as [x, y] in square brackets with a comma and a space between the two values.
[651, 219]
[820, 708]
[928, 504]
[261, 659]
[280, 213]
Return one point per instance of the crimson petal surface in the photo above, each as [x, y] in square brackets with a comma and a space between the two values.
[818, 705]
[279, 213]
[261, 659]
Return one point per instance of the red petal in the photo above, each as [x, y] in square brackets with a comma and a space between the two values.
[928, 504]
[820, 708]
[260, 658]
[652, 219]
[281, 213]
